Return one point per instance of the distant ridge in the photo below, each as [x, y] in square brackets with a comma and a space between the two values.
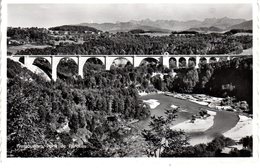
[247, 25]
[213, 24]
[124, 27]
[223, 23]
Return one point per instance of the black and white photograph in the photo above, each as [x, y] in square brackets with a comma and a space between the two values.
[129, 80]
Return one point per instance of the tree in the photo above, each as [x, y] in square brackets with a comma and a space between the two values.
[247, 142]
[161, 139]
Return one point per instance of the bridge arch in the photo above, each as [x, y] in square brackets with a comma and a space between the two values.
[21, 59]
[192, 62]
[212, 59]
[121, 62]
[66, 66]
[223, 58]
[149, 60]
[182, 62]
[92, 63]
[94, 60]
[41, 61]
[173, 63]
[44, 63]
[232, 57]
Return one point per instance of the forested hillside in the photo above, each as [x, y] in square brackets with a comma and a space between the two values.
[129, 43]
[222, 79]
[60, 114]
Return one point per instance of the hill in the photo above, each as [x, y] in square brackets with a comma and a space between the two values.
[239, 31]
[77, 28]
[247, 25]
[151, 30]
[206, 29]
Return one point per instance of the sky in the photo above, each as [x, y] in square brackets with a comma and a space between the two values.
[49, 15]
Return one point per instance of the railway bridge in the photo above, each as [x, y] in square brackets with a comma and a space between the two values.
[108, 60]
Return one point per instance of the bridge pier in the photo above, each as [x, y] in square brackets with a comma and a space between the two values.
[131, 59]
[187, 61]
[207, 59]
[80, 66]
[81, 63]
[137, 61]
[165, 61]
[54, 64]
[228, 58]
[177, 61]
[108, 62]
[28, 61]
[197, 62]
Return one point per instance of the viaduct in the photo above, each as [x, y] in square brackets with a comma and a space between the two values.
[135, 60]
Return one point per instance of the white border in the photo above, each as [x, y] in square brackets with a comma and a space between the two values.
[135, 162]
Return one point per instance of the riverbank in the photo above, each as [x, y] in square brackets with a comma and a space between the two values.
[152, 103]
[243, 128]
[201, 99]
[205, 100]
[199, 125]
[150, 93]
[203, 130]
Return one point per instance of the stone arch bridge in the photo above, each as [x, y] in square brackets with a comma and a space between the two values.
[108, 60]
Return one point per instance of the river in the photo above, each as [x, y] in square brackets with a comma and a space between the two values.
[223, 120]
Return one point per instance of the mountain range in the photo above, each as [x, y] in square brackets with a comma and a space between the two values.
[208, 24]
